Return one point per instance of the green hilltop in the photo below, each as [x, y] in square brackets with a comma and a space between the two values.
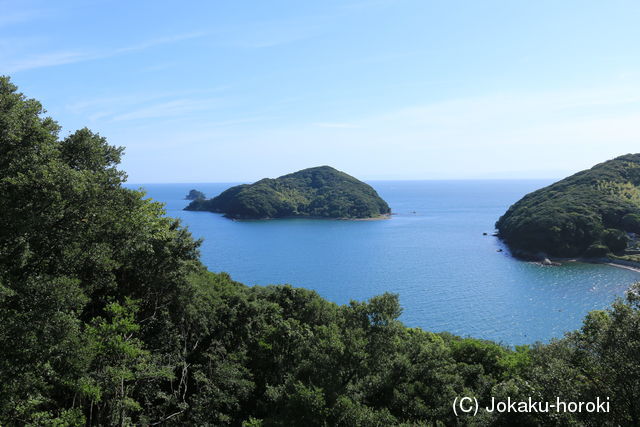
[320, 192]
[586, 214]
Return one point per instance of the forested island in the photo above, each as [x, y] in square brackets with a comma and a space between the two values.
[320, 192]
[108, 317]
[594, 213]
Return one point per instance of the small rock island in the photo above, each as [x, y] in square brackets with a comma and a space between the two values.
[592, 214]
[195, 195]
[320, 192]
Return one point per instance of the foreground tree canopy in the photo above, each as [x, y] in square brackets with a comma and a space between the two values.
[584, 214]
[108, 317]
[322, 192]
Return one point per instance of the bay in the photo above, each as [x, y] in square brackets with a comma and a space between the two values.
[432, 252]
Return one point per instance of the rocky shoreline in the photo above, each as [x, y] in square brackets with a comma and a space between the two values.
[628, 265]
[375, 218]
[545, 260]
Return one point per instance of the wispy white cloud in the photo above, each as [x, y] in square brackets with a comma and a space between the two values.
[513, 111]
[171, 109]
[43, 60]
[266, 35]
[485, 135]
[11, 18]
[99, 115]
[158, 67]
[50, 59]
[158, 42]
[118, 102]
[240, 121]
[536, 134]
[336, 125]
[133, 106]
[368, 4]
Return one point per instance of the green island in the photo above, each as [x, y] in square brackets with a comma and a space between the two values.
[320, 192]
[594, 213]
[108, 317]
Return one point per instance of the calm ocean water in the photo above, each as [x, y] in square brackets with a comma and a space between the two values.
[432, 253]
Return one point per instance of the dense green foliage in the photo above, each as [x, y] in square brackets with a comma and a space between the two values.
[194, 195]
[315, 192]
[107, 317]
[578, 215]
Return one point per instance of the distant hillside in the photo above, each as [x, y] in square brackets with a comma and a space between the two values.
[320, 192]
[584, 214]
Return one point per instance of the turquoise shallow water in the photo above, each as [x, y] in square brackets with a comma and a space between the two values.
[431, 252]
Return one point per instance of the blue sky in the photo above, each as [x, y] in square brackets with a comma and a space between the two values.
[238, 90]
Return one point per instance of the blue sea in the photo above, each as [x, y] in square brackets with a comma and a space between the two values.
[432, 252]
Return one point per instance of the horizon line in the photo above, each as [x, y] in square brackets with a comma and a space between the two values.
[364, 180]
